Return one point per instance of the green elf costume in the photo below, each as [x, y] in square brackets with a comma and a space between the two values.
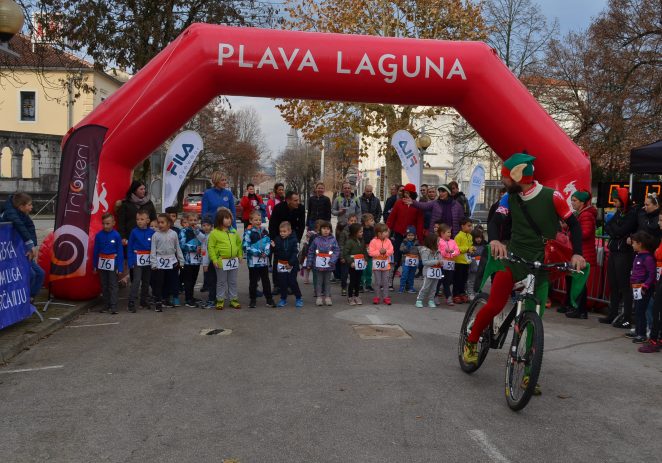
[546, 207]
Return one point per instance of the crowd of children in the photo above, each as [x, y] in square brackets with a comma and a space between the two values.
[165, 260]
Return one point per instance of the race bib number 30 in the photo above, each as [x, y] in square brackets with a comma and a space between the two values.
[230, 264]
[106, 262]
[359, 262]
[165, 262]
[142, 258]
[434, 273]
[323, 260]
[411, 260]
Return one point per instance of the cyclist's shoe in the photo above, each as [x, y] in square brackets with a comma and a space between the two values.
[536, 390]
[470, 354]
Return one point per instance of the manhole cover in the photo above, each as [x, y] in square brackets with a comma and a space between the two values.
[381, 332]
[215, 332]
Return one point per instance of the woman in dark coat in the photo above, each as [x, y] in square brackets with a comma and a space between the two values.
[136, 199]
[648, 217]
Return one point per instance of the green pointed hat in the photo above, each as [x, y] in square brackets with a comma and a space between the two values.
[519, 167]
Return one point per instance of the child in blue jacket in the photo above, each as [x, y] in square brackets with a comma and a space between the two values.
[286, 262]
[138, 250]
[108, 261]
[190, 240]
[257, 250]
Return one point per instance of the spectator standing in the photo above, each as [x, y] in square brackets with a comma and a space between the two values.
[218, 196]
[277, 197]
[370, 203]
[444, 209]
[345, 204]
[461, 199]
[619, 228]
[424, 192]
[648, 217]
[402, 216]
[136, 199]
[391, 200]
[249, 203]
[319, 207]
[427, 215]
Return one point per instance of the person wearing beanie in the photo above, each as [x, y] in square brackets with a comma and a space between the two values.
[586, 215]
[527, 202]
[409, 249]
[445, 209]
[621, 255]
[403, 215]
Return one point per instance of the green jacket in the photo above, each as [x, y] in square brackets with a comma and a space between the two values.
[224, 244]
[353, 247]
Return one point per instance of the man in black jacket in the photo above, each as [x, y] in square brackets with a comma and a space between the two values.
[460, 198]
[319, 206]
[396, 192]
[370, 204]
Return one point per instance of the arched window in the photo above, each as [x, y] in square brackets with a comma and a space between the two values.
[5, 162]
[27, 163]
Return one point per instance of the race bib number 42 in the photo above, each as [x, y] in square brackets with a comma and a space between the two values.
[142, 258]
[106, 262]
[230, 264]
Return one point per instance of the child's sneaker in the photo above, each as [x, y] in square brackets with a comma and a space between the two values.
[191, 304]
[431, 304]
[328, 301]
[387, 300]
[361, 290]
[175, 302]
[132, 307]
[651, 346]
[220, 304]
[282, 303]
[113, 311]
[412, 290]
[351, 301]
[449, 301]
[370, 289]
[319, 301]
[168, 304]
[401, 290]
[271, 303]
[457, 299]
[299, 303]
[375, 300]
[639, 339]
[234, 303]
[358, 300]
[252, 304]
[419, 304]
[343, 292]
[158, 308]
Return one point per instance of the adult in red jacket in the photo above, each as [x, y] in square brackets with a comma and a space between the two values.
[586, 215]
[401, 217]
[249, 203]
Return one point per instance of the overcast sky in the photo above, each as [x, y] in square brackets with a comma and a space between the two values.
[572, 15]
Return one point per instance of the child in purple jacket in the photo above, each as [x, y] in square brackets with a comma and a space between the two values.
[323, 253]
[642, 280]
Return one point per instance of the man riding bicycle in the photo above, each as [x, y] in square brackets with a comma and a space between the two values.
[545, 207]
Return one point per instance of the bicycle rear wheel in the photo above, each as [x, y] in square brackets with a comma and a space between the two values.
[467, 323]
[524, 360]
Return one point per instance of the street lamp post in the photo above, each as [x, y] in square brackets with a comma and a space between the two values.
[11, 22]
[423, 142]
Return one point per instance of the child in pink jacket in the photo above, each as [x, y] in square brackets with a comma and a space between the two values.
[381, 249]
[449, 251]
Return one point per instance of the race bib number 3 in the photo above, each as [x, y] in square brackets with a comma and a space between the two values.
[165, 262]
[323, 260]
[230, 264]
[411, 260]
[106, 262]
[359, 262]
[260, 261]
[434, 273]
[142, 258]
[281, 266]
[380, 264]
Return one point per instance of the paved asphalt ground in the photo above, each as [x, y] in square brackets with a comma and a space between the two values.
[299, 385]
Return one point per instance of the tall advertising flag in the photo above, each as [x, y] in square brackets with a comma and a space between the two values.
[181, 155]
[405, 146]
[477, 182]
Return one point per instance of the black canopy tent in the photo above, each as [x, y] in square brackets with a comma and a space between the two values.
[647, 159]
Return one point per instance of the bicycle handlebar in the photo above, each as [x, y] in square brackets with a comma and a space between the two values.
[561, 266]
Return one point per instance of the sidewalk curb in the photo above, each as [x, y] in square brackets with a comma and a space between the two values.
[48, 327]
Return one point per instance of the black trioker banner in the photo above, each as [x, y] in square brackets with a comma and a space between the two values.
[78, 175]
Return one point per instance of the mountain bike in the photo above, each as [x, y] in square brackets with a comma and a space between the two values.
[524, 360]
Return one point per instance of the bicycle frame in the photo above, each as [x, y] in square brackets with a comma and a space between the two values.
[502, 322]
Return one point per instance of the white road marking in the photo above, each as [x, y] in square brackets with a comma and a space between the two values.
[481, 439]
[374, 319]
[98, 324]
[54, 367]
[53, 318]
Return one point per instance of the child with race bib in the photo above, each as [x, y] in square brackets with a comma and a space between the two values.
[224, 247]
[257, 249]
[209, 272]
[432, 272]
[368, 221]
[138, 250]
[655, 338]
[464, 242]
[190, 238]
[409, 251]
[642, 280]
[323, 254]
[108, 261]
[479, 246]
[166, 257]
[341, 237]
[381, 249]
[449, 251]
[355, 254]
[286, 248]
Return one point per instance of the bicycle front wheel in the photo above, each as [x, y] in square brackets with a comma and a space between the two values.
[524, 360]
[467, 323]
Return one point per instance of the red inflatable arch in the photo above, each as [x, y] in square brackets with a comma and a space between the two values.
[206, 60]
